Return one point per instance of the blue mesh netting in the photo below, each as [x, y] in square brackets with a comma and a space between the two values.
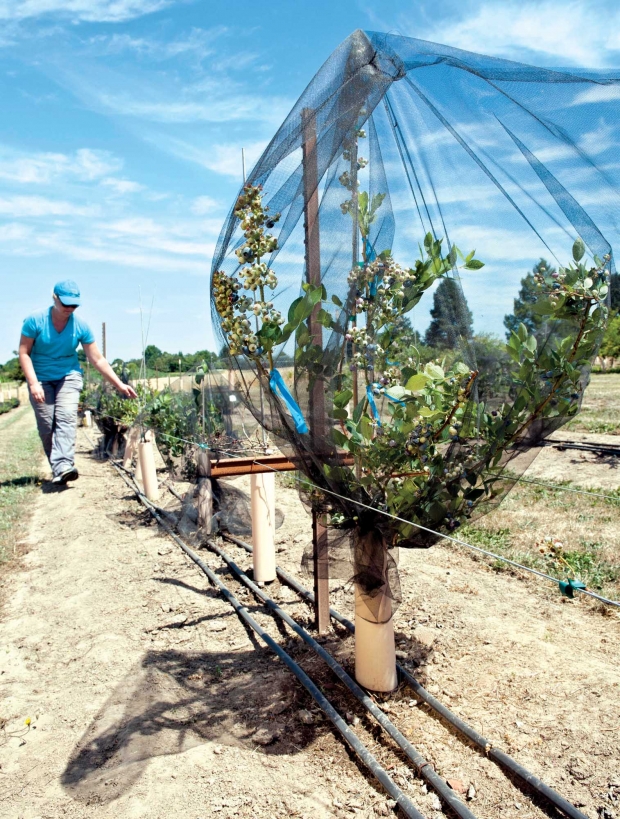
[512, 160]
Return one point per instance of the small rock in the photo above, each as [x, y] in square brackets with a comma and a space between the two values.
[305, 717]
[471, 793]
[217, 627]
[391, 803]
[401, 655]
[381, 809]
[424, 636]
[337, 803]
[217, 749]
[412, 703]
[435, 802]
[457, 785]
[265, 736]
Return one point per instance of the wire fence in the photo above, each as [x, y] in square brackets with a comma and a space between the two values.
[309, 485]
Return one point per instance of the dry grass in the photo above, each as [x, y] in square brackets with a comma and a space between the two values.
[600, 412]
[20, 458]
[586, 526]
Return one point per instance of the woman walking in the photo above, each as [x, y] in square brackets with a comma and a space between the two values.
[48, 358]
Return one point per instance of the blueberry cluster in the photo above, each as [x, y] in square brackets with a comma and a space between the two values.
[236, 309]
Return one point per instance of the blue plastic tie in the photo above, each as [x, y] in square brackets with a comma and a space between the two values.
[277, 385]
[369, 251]
[373, 406]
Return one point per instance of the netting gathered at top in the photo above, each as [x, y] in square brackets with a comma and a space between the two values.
[378, 247]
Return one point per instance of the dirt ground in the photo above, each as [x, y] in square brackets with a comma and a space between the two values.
[147, 697]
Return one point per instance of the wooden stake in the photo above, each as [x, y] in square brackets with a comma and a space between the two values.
[317, 394]
[263, 501]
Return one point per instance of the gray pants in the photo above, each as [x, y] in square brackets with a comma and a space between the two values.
[57, 420]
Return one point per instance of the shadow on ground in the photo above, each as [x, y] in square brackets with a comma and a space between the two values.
[173, 701]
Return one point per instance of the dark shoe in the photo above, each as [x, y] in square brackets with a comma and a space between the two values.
[68, 475]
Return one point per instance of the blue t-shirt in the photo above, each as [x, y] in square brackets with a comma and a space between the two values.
[54, 354]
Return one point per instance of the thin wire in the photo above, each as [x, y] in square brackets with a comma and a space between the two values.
[570, 489]
[440, 534]
[419, 525]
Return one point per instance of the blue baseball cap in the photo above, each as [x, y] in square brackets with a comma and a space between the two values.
[68, 292]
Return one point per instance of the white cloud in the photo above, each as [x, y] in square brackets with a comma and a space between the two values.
[122, 186]
[598, 94]
[93, 11]
[222, 159]
[198, 43]
[84, 165]
[36, 206]
[205, 204]
[563, 33]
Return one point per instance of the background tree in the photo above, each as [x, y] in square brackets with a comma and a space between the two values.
[611, 340]
[523, 312]
[615, 292]
[451, 318]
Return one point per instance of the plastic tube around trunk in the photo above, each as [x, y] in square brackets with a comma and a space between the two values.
[88, 419]
[131, 448]
[375, 652]
[146, 461]
[263, 498]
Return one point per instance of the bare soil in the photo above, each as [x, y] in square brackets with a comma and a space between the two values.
[148, 698]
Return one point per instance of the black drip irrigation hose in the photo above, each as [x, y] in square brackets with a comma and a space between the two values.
[424, 768]
[401, 799]
[497, 755]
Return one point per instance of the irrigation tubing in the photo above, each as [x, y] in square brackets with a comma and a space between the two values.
[470, 546]
[424, 768]
[499, 756]
[401, 799]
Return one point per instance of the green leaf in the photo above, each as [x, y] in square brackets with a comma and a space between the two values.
[452, 255]
[340, 414]
[474, 264]
[531, 344]
[339, 438]
[587, 283]
[336, 301]
[417, 382]
[292, 309]
[366, 428]
[396, 392]
[324, 318]
[357, 412]
[579, 250]
[434, 371]
[522, 332]
[341, 399]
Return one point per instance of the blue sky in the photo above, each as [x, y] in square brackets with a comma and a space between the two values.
[123, 121]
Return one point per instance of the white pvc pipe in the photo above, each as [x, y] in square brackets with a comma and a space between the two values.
[263, 501]
[146, 460]
[375, 652]
[88, 420]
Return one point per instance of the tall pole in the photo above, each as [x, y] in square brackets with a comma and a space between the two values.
[103, 340]
[317, 387]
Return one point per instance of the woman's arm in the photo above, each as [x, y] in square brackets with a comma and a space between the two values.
[25, 362]
[93, 354]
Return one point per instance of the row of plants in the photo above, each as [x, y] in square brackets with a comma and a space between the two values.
[8, 405]
[176, 417]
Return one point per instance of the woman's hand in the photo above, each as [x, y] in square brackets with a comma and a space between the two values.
[127, 391]
[37, 392]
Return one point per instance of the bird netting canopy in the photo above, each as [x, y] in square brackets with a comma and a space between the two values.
[366, 277]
